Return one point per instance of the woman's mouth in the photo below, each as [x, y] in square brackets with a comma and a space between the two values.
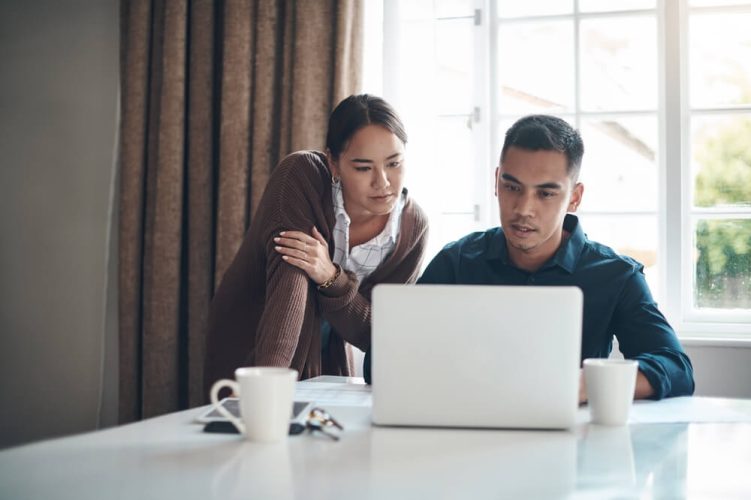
[382, 198]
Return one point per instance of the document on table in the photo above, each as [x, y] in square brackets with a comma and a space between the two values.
[691, 410]
[334, 394]
[684, 410]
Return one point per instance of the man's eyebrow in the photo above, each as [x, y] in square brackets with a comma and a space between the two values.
[544, 185]
[510, 178]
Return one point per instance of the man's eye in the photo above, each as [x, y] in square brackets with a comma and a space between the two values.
[547, 194]
[511, 187]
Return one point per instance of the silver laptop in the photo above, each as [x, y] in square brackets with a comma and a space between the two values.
[476, 356]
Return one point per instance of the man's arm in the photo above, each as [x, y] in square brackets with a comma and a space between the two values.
[441, 270]
[644, 335]
[643, 389]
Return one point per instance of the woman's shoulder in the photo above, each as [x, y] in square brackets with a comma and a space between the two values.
[308, 162]
[300, 171]
[413, 212]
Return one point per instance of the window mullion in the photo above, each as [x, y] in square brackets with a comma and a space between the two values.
[671, 104]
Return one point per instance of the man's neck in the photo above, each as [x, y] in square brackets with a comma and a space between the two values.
[531, 261]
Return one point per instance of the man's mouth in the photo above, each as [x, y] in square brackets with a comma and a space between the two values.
[524, 229]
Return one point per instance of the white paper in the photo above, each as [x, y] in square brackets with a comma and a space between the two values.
[334, 393]
[684, 410]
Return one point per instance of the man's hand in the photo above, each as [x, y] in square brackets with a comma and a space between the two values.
[642, 390]
[582, 388]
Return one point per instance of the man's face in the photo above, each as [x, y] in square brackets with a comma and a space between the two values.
[534, 193]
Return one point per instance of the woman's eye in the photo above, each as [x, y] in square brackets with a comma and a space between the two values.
[394, 164]
[362, 169]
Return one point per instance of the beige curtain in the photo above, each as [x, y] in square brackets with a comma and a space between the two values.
[213, 95]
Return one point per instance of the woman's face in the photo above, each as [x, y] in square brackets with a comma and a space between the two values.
[371, 171]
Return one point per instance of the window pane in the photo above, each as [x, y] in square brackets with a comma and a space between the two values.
[635, 236]
[717, 3]
[440, 176]
[515, 8]
[619, 63]
[723, 264]
[720, 59]
[619, 169]
[535, 67]
[721, 153]
[454, 73]
[454, 8]
[611, 5]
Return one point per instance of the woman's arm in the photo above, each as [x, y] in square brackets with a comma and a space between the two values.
[349, 310]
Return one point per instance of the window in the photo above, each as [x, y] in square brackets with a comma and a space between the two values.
[661, 93]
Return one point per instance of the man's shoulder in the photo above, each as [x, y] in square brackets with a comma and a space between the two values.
[473, 244]
[596, 253]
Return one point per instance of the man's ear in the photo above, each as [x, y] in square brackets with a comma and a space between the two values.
[576, 197]
[497, 173]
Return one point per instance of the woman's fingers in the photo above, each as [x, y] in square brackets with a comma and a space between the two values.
[309, 253]
[318, 236]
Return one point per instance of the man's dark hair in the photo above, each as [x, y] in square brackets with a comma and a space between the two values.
[356, 112]
[547, 133]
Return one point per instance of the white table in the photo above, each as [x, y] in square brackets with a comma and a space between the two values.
[170, 457]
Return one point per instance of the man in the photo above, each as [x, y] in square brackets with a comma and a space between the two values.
[538, 243]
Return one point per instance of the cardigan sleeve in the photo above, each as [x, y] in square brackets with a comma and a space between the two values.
[347, 307]
[293, 202]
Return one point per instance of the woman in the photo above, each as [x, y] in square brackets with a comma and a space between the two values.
[328, 228]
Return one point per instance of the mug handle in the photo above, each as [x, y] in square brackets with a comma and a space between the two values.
[218, 386]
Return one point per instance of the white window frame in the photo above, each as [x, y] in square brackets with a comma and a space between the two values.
[675, 214]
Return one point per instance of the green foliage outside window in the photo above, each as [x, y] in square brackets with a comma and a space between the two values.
[723, 267]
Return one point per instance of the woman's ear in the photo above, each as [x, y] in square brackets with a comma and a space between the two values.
[332, 163]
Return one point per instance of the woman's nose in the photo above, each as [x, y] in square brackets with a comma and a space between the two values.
[380, 178]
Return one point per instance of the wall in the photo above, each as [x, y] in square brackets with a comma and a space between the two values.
[721, 371]
[58, 116]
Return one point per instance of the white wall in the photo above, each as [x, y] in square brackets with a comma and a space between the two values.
[58, 118]
[721, 371]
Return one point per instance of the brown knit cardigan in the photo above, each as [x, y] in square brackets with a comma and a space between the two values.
[267, 312]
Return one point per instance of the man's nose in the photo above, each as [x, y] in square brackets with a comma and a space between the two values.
[525, 204]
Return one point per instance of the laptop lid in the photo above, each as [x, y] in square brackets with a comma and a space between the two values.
[476, 356]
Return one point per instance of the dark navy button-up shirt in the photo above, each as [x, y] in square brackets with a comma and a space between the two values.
[617, 300]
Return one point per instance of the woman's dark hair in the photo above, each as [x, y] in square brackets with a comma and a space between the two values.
[354, 113]
[548, 133]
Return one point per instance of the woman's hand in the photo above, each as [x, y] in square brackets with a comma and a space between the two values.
[309, 253]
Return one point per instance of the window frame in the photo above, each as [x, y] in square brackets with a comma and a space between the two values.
[675, 212]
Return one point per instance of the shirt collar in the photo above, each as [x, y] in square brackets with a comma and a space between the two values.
[566, 257]
[390, 231]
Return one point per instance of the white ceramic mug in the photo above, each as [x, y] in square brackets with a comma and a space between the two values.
[610, 389]
[266, 397]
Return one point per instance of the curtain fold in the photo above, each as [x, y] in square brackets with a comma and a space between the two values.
[213, 95]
